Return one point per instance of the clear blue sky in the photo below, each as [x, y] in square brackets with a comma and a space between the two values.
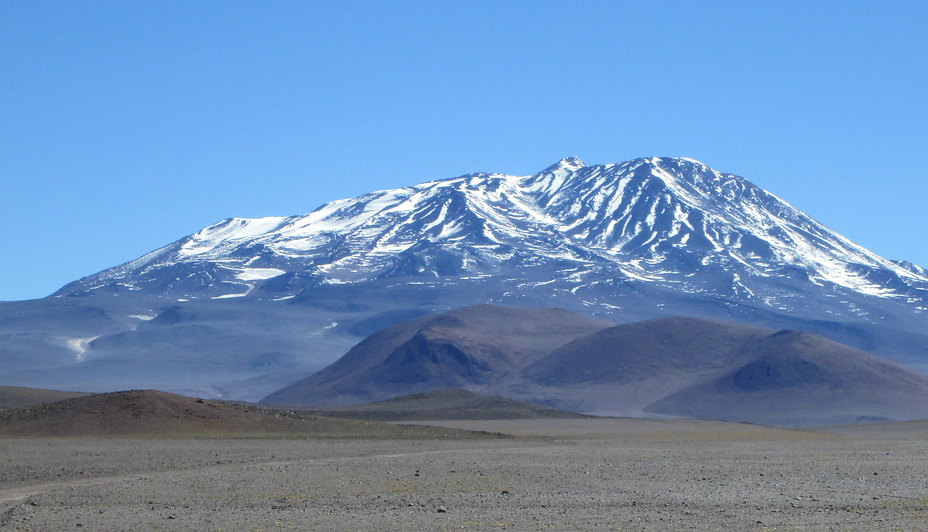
[127, 125]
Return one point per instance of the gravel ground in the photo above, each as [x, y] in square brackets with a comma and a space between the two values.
[632, 476]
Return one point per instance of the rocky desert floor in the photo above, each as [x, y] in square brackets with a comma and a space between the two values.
[595, 474]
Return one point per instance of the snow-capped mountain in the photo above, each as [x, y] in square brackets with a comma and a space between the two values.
[247, 306]
[670, 222]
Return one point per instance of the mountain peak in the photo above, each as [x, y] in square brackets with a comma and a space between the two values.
[567, 163]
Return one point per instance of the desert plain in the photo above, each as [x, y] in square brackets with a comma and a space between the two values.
[534, 474]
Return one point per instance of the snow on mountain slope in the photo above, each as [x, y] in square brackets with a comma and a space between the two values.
[672, 222]
[650, 207]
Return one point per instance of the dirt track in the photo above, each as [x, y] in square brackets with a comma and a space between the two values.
[615, 475]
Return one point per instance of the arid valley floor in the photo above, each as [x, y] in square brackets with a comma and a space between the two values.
[559, 474]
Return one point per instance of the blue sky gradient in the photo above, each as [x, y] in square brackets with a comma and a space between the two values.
[127, 125]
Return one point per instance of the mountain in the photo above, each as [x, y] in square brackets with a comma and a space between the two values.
[682, 367]
[465, 348]
[246, 306]
[705, 369]
[656, 220]
[796, 378]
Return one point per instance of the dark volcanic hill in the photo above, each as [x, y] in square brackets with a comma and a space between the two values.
[706, 369]
[683, 367]
[246, 306]
[646, 350]
[466, 348]
[151, 413]
[796, 378]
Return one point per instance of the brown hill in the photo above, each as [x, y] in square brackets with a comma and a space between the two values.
[797, 378]
[15, 396]
[445, 405]
[680, 367]
[467, 348]
[645, 350]
[151, 413]
[705, 369]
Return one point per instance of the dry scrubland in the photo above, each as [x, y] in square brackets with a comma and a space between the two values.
[589, 474]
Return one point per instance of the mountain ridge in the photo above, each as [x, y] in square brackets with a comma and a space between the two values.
[640, 220]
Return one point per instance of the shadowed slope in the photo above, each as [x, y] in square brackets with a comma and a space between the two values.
[697, 368]
[469, 347]
[620, 370]
[682, 367]
[643, 350]
[797, 378]
[151, 413]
